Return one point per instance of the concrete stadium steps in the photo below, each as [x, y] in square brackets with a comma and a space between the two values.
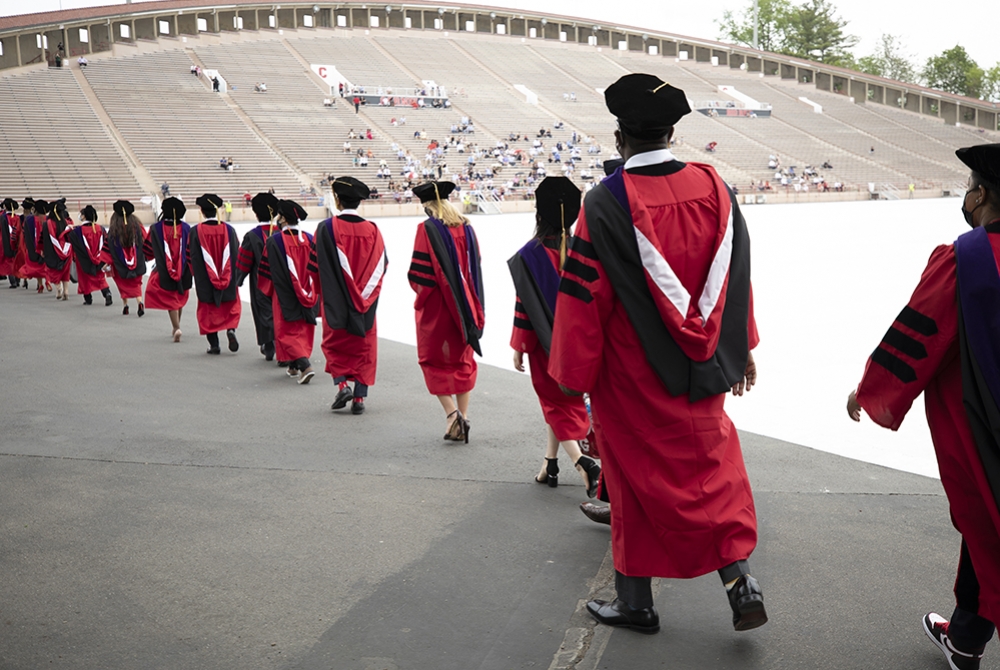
[53, 145]
[291, 113]
[179, 129]
[356, 58]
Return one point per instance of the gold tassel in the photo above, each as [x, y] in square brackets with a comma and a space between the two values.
[562, 241]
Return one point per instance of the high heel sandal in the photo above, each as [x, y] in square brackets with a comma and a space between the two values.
[454, 433]
[465, 428]
[593, 472]
[551, 476]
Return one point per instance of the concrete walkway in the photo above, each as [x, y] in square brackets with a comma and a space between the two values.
[160, 508]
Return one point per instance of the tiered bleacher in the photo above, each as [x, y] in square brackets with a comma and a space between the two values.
[504, 102]
[53, 145]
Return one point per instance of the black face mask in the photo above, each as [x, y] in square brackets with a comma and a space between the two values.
[967, 214]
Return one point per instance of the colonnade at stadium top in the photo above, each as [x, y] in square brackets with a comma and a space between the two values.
[29, 41]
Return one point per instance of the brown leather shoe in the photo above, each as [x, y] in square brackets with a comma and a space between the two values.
[596, 513]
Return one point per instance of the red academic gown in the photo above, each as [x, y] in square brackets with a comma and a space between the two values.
[88, 243]
[212, 251]
[31, 245]
[352, 262]
[167, 245]
[681, 503]
[920, 353]
[566, 415]
[58, 249]
[288, 276]
[9, 232]
[127, 265]
[444, 326]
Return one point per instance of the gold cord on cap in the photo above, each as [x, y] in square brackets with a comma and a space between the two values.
[661, 86]
[562, 240]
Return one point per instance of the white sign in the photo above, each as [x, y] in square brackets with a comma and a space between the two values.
[330, 76]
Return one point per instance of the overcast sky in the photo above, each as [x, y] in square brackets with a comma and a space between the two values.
[926, 28]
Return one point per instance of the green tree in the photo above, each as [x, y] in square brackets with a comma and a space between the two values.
[954, 71]
[991, 84]
[817, 33]
[772, 22]
[889, 60]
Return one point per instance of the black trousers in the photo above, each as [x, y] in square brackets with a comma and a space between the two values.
[301, 364]
[360, 390]
[637, 592]
[968, 631]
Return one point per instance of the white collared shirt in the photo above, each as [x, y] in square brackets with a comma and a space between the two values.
[349, 212]
[654, 157]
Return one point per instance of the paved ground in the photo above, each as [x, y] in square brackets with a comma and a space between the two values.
[160, 508]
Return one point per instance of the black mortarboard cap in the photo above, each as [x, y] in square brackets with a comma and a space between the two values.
[88, 213]
[433, 190]
[351, 188]
[646, 106]
[27, 203]
[985, 160]
[292, 211]
[9, 204]
[173, 209]
[612, 164]
[57, 209]
[209, 201]
[123, 207]
[41, 206]
[264, 206]
[557, 200]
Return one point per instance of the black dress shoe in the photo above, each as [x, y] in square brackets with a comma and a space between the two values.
[141, 310]
[617, 613]
[108, 300]
[125, 311]
[215, 351]
[268, 350]
[596, 513]
[234, 346]
[747, 602]
[358, 406]
[344, 396]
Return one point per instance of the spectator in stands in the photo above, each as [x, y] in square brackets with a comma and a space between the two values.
[347, 146]
[327, 102]
[222, 163]
[81, 61]
[247, 199]
[194, 70]
[341, 89]
[229, 164]
[402, 120]
[572, 97]
[215, 84]
[827, 165]
[871, 151]
[368, 134]
[710, 147]
[165, 189]
[357, 104]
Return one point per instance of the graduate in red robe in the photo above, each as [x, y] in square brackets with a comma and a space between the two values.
[88, 242]
[36, 213]
[946, 344]
[123, 253]
[448, 280]
[352, 264]
[170, 281]
[212, 250]
[265, 208]
[535, 270]
[289, 277]
[21, 256]
[654, 320]
[56, 248]
[10, 231]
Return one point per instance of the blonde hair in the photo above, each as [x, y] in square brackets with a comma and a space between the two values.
[445, 212]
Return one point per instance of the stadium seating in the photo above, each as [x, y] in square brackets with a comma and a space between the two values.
[54, 143]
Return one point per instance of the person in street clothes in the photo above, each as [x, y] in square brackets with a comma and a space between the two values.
[56, 248]
[265, 208]
[170, 281]
[352, 265]
[945, 343]
[88, 243]
[447, 276]
[213, 248]
[289, 277]
[535, 270]
[36, 212]
[655, 321]
[10, 231]
[123, 253]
